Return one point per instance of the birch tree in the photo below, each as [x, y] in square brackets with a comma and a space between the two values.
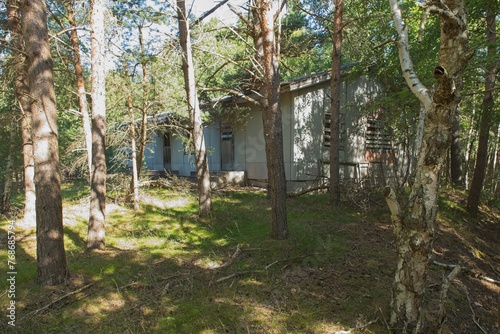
[414, 224]
[96, 230]
[200, 153]
[51, 257]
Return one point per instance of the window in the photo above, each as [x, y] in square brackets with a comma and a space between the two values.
[326, 130]
[377, 136]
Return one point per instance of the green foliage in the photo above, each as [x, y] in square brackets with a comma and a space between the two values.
[168, 240]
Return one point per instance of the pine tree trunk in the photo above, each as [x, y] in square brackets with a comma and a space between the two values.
[134, 182]
[144, 112]
[490, 168]
[96, 230]
[200, 153]
[470, 143]
[272, 120]
[51, 257]
[80, 85]
[476, 186]
[495, 159]
[335, 105]
[21, 89]
[9, 171]
[455, 155]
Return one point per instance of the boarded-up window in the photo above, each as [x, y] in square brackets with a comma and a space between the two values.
[227, 148]
[167, 152]
[377, 137]
[326, 130]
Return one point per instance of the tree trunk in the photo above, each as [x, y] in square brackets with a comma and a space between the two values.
[486, 116]
[9, 170]
[96, 231]
[414, 225]
[200, 154]
[470, 142]
[455, 155]
[490, 170]
[21, 88]
[134, 182]
[272, 119]
[80, 85]
[496, 157]
[335, 105]
[144, 111]
[51, 257]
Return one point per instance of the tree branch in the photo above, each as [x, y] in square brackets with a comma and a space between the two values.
[207, 13]
[411, 78]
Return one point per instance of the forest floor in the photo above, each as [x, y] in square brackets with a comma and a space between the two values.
[167, 271]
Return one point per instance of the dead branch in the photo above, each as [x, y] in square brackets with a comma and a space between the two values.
[444, 296]
[474, 318]
[467, 270]
[240, 273]
[59, 299]
[208, 13]
[291, 259]
[231, 260]
[303, 192]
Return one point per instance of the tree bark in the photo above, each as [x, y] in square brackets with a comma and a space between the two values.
[200, 153]
[470, 142]
[96, 230]
[486, 115]
[51, 257]
[144, 112]
[134, 182]
[414, 225]
[335, 105]
[21, 88]
[455, 155]
[80, 85]
[272, 118]
[9, 172]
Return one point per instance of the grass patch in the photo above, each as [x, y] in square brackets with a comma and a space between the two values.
[167, 271]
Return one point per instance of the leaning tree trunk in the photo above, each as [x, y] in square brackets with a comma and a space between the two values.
[486, 116]
[21, 88]
[200, 153]
[414, 225]
[335, 105]
[96, 231]
[51, 257]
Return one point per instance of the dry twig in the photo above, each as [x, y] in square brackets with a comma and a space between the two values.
[59, 299]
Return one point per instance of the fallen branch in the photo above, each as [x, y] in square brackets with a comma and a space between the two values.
[222, 279]
[444, 295]
[472, 311]
[59, 299]
[467, 270]
[229, 262]
[291, 259]
[305, 191]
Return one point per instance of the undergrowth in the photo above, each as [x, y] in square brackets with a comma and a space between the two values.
[167, 271]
